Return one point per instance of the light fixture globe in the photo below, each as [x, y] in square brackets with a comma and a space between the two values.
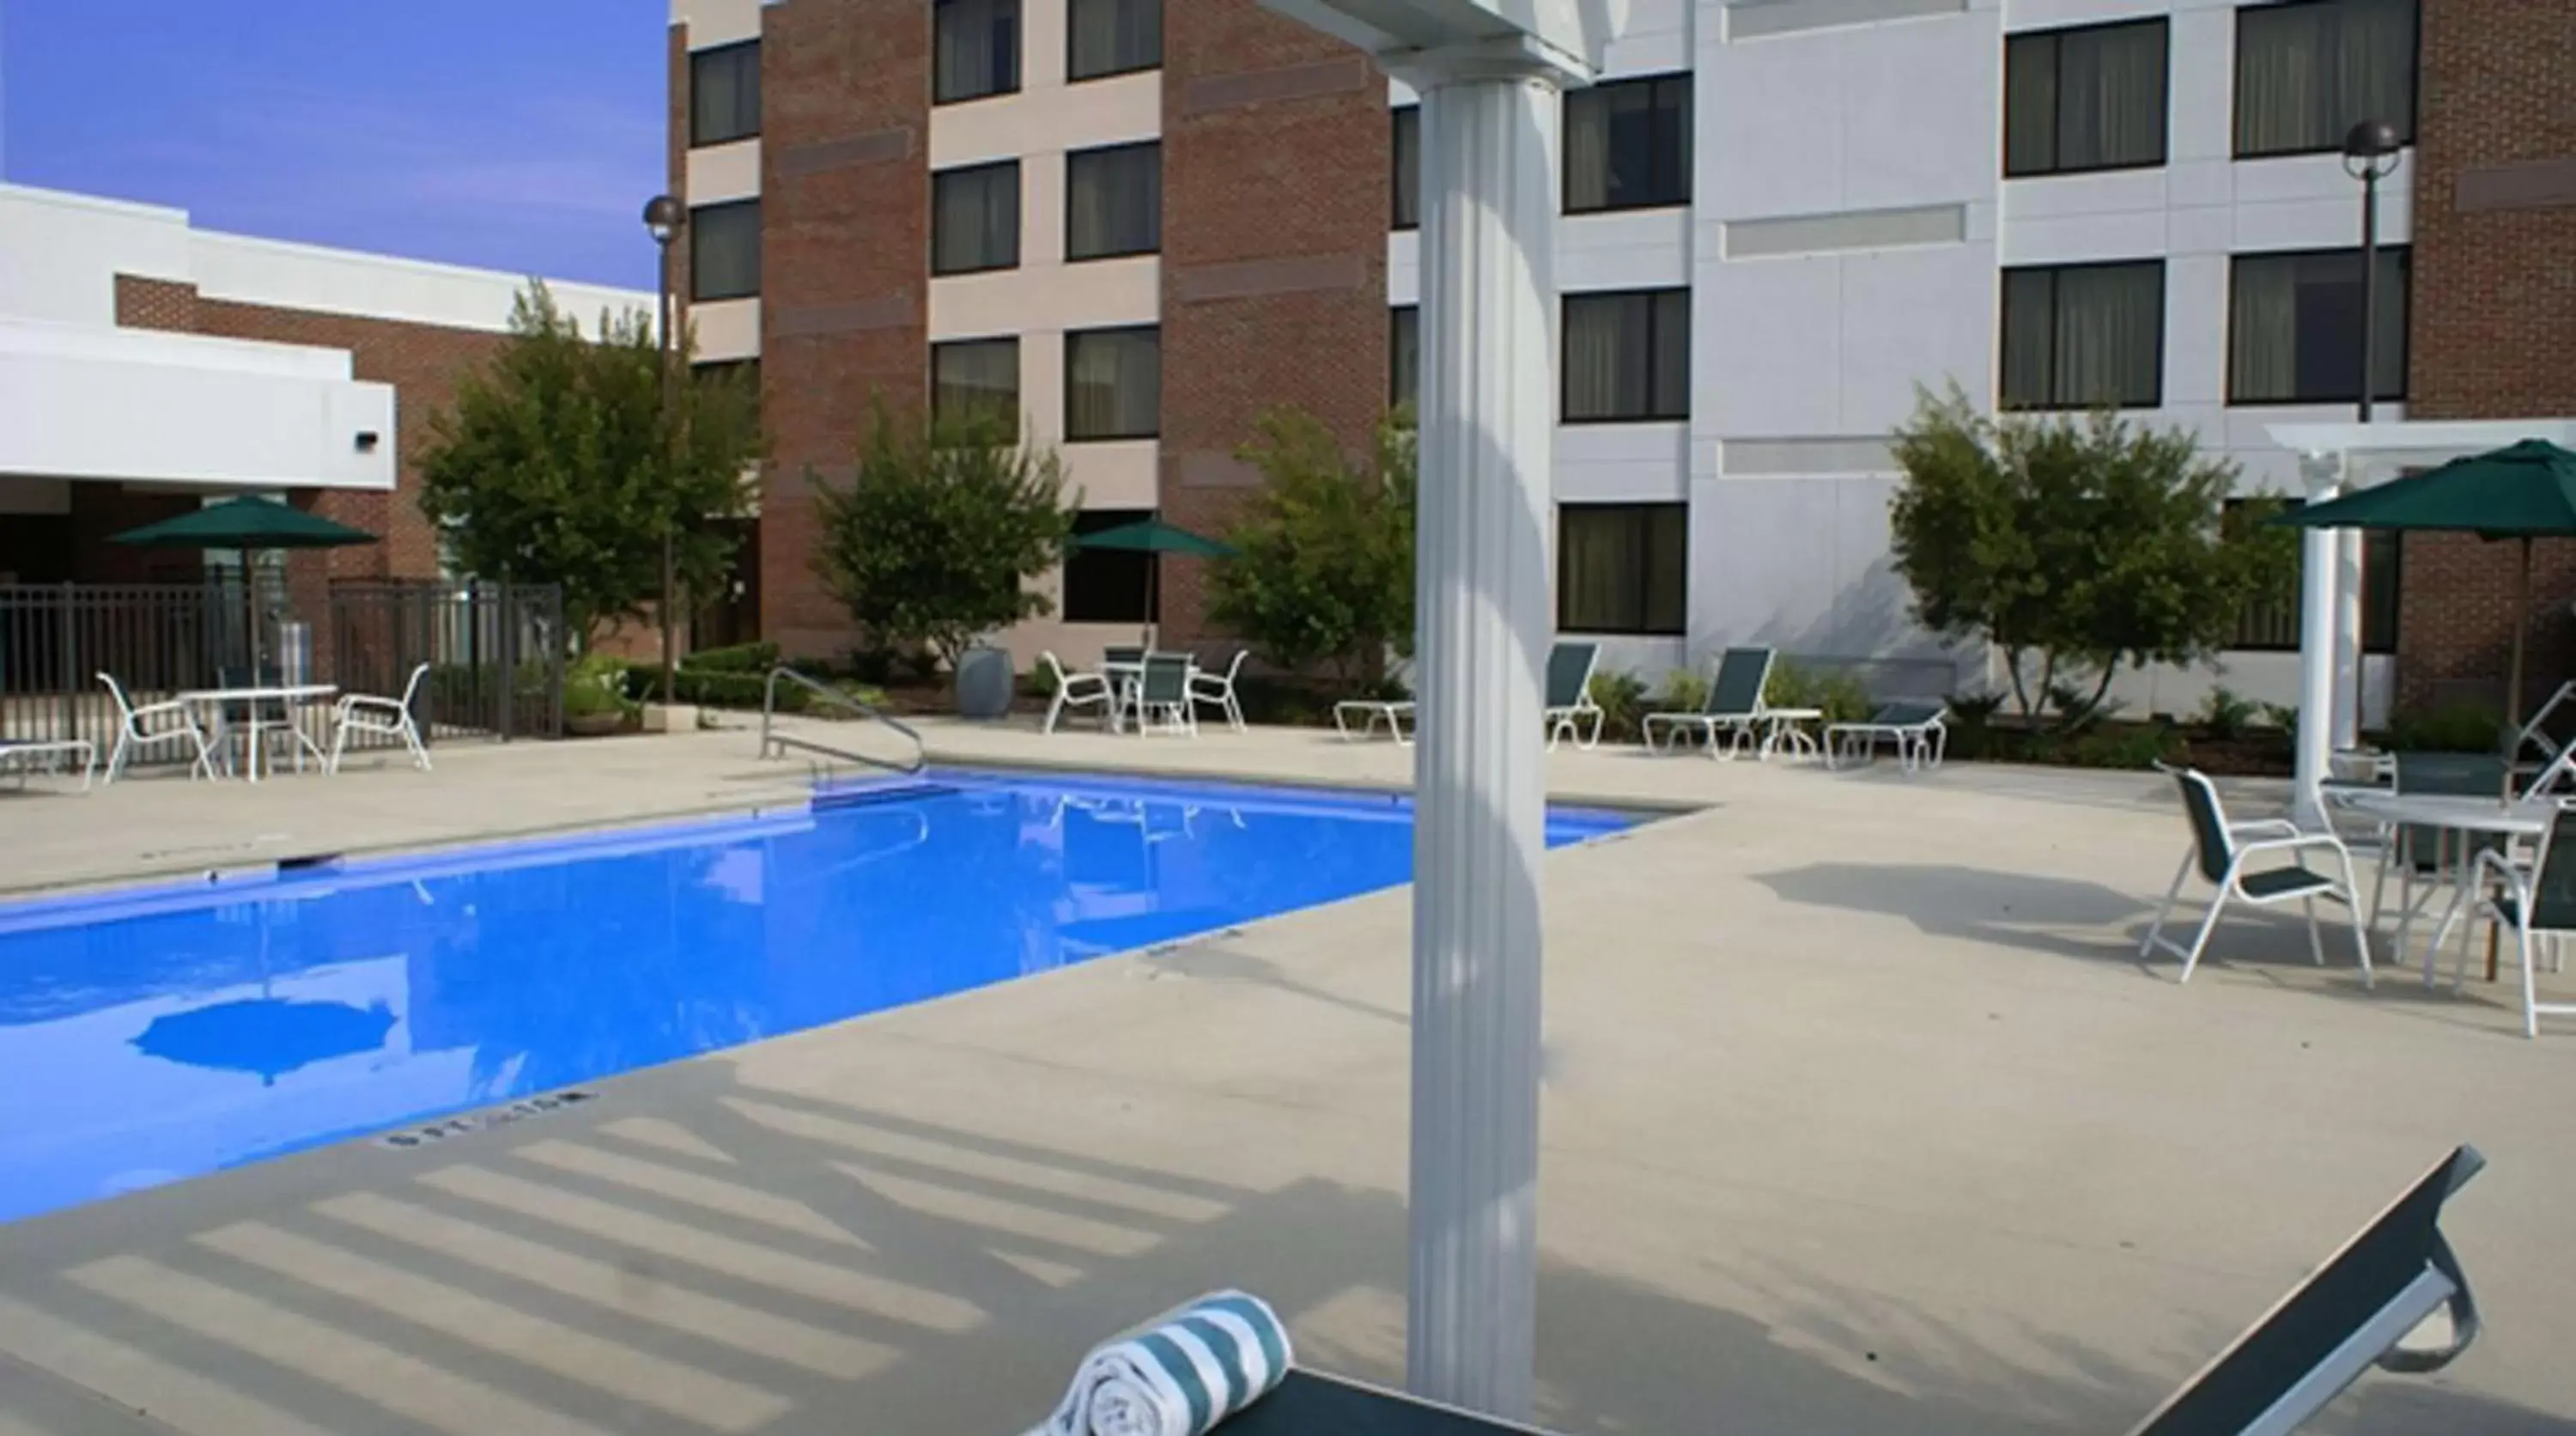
[2370, 148]
[664, 215]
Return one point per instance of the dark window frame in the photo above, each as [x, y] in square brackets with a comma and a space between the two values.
[1019, 56]
[1397, 317]
[2405, 124]
[1682, 141]
[1123, 578]
[2383, 598]
[1399, 120]
[1019, 400]
[1070, 337]
[1645, 513]
[2405, 256]
[699, 140]
[2056, 39]
[1019, 197]
[2004, 330]
[1072, 76]
[1565, 414]
[698, 293]
[1123, 147]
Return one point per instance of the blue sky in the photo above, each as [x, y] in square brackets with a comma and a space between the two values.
[522, 135]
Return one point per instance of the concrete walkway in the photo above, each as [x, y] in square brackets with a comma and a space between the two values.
[1861, 1118]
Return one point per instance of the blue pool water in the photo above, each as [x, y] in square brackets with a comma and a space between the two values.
[151, 1037]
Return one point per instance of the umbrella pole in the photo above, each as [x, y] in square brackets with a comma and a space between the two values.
[2513, 680]
[1153, 581]
[250, 613]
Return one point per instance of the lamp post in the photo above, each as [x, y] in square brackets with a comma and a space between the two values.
[664, 218]
[2370, 151]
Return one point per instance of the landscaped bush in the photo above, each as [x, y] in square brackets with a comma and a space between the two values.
[2456, 728]
[1622, 700]
[1685, 689]
[1841, 696]
[2227, 714]
[740, 658]
[594, 685]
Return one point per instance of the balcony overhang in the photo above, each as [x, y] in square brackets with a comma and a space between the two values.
[1578, 29]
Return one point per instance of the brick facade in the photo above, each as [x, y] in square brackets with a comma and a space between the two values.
[2493, 328]
[1275, 207]
[845, 215]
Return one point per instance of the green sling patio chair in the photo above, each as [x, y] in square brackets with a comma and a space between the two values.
[2534, 901]
[2219, 851]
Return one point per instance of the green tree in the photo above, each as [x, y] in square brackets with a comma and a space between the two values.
[936, 539]
[1323, 570]
[2076, 545]
[554, 465]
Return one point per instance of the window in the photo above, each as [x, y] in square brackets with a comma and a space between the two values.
[724, 94]
[724, 251]
[2087, 99]
[1404, 355]
[1112, 37]
[1621, 568]
[1408, 168]
[977, 376]
[1628, 145]
[1113, 384]
[2270, 623]
[2294, 328]
[2306, 73]
[1113, 201]
[975, 218]
[2083, 336]
[745, 372]
[978, 49]
[1109, 585]
[1627, 356]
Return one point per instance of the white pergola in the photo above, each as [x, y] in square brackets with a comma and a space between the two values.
[1489, 73]
[2336, 459]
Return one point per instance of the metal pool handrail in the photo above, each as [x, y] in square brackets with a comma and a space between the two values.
[775, 744]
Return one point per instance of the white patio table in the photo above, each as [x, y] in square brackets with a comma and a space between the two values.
[255, 703]
[2466, 816]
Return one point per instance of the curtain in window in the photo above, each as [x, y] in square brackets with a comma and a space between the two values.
[975, 219]
[724, 251]
[1408, 167]
[1110, 36]
[724, 94]
[978, 48]
[1668, 395]
[1404, 356]
[1627, 144]
[2109, 321]
[2307, 73]
[1114, 201]
[977, 375]
[2111, 96]
[2030, 335]
[1113, 384]
[1599, 556]
[2263, 328]
[1605, 355]
[1587, 151]
[2294, 327]
[2030, 104]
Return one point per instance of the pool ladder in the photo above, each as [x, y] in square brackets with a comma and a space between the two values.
[774, 744]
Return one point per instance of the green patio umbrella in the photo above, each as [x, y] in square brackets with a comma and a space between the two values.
[2523, 491]
[248, 525]
[1152, 536]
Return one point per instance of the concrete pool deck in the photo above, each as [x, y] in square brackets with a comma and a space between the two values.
[1861, 1118]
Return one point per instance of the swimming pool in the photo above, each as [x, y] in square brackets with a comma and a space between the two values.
[160, 1035]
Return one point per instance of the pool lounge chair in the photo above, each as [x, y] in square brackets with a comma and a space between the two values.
[1569, 695]
[1733, 705]
[20, 757]
[1369, 712]
[1915, 726]
[2218, 851]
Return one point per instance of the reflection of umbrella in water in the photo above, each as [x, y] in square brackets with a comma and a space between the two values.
[271, 1036]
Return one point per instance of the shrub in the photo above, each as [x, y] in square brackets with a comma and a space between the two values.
[2284, 716]
[1842, 697]
[2227, 713]
[740, 658]
[1975, 710]
[1322, 572]
[2456, 728]
[2127, 748]
[594, 685]
[1621, 698]
[1685, 689]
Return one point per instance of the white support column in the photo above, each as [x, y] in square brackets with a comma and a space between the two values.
[2320, 556]
[2347, 640]
[1489, 188]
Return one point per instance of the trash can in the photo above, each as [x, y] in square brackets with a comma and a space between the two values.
[984, 681]
[293, 654]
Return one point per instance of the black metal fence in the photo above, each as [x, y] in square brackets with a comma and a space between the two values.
[496, 654]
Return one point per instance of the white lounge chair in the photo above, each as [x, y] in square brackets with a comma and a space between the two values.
[1078, 690]
[2219, 850]
[1208, 689]
[391, 717]
[1916, 728]
[21, 757]
[141, 730]
[1369, 712]
[1569, 695]
[1733, 705]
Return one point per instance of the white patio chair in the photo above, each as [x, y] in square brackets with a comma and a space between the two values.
[2535, 900]
[144, 729]
[391, 717]
[1078, 690]
[21, 757]
[1209, 689]
[2219, 850]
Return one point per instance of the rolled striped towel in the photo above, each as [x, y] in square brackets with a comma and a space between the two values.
[1178, 1375]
